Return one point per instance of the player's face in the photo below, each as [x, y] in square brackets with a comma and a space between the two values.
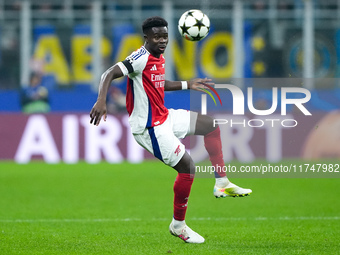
[156, 40]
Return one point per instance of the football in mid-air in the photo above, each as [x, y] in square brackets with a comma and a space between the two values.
[194, 25]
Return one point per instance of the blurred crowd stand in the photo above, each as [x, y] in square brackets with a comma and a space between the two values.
[34, 98]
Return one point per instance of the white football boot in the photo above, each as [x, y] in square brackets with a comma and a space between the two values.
[231, 190]
[186, 234]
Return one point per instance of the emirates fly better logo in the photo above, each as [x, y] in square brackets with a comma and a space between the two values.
[239, 105]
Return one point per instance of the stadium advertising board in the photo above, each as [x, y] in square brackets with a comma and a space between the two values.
[123, 39]
[70, 138]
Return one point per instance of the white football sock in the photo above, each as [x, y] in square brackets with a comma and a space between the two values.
[222, 182]
[178, 224]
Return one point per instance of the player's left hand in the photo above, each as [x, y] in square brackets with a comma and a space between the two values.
[97, 112]
[199, 83]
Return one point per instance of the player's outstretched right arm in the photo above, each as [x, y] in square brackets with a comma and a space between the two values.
[99, 108]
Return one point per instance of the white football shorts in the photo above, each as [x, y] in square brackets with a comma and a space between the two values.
[163, 140]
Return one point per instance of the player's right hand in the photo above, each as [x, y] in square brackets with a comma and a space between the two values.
[97, 112]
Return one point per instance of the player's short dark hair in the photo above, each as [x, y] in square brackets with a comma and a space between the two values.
[151, 22]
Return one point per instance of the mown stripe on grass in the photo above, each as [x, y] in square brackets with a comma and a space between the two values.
[286, 218]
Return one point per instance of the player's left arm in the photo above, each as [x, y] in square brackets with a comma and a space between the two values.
[195, 84]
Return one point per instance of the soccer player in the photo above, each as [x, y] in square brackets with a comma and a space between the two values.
[159, 129]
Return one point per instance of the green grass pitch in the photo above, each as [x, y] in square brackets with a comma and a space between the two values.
[126, 209]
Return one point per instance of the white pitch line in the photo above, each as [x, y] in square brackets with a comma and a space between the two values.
[286, 218]
[68, 220]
